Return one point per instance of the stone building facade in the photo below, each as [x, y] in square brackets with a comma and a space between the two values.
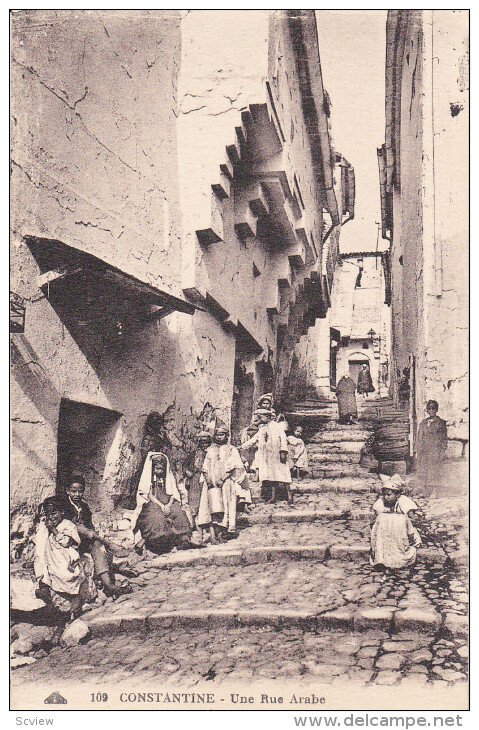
[424, 194]
[355, 331]
[174, 232]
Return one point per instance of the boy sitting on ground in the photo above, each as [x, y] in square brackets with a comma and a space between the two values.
[77, 511]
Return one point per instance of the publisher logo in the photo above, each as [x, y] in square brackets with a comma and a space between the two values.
[55, 699]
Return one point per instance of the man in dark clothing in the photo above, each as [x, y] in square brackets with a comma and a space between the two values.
[346, 395]
[365, 381]
[431, 447]
[77, 511]
[404, 389]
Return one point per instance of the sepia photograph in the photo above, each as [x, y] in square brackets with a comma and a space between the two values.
[239, 375]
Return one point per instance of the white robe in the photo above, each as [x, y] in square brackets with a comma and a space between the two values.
[223, 468]
[394, 538]
[298, 456]
[57, 560]
[270, 440]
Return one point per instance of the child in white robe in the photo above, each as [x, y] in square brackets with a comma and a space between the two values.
[58, 565]
[394, 539]
[298, 456]
[225, 482]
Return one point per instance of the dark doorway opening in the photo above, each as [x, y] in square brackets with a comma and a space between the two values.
[85, 437]
[264, 378]
[334, 343]
[243, 403]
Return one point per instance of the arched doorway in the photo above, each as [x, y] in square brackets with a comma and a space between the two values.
[355, 362]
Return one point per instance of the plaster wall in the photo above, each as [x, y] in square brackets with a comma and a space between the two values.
[110, 157]
[242, 135]
[95, 166]
[430, 207]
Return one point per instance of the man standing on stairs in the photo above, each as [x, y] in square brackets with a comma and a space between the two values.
[271, 457]
[346, 395]
[431, 448]
[365, 381]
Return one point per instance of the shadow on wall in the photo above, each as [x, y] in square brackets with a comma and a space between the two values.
[296, 386]
[128, 368]
[159, 434]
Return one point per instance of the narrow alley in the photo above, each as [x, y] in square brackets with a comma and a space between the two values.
[294, 596]
[239, 356]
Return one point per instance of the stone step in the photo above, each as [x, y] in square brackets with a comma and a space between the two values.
[311, 405]
[308, 515]
[268, 586]
[339, 484]
[330, 447]
[339, 436]
[297, 515]
[383, 617]
[328, 457]
[331, 471]
[303, 514]
[362, 426]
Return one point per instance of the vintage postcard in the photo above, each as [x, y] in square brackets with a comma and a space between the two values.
[239, 359]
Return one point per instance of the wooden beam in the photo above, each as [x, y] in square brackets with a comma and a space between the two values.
[157, 313]
[56, 275]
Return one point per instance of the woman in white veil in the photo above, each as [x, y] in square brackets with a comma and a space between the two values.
[159, 516]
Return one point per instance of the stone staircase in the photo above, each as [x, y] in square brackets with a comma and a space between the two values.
[304, 569]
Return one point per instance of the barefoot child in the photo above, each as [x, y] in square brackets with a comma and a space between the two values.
[271, 457]
[298, 456]
[195, 478]
[225, 483]
[394, 539]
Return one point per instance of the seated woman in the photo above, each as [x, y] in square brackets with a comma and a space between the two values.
[64, 577]
[394, 539]
[161, 520]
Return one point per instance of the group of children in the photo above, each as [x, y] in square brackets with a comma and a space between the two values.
[70, 553]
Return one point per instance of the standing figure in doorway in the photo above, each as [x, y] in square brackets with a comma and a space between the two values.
[431, 447]
[271, 457]
[365, 381]
[404, 389]
[346, 395]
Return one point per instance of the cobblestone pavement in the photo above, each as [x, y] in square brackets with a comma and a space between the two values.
[251, 654]
[274, 578]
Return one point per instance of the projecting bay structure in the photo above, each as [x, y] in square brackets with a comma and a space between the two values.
[177, 205]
